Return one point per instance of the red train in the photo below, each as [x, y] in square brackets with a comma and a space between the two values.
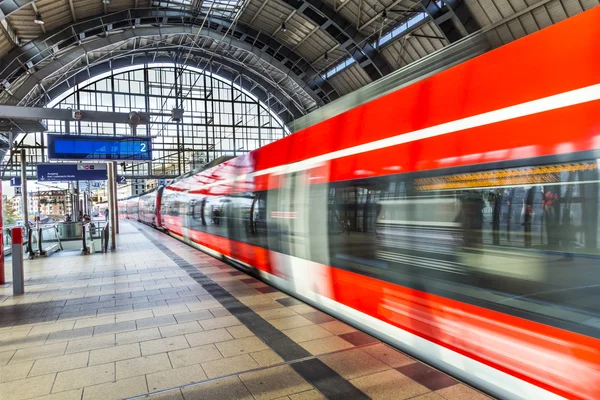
[455, 218]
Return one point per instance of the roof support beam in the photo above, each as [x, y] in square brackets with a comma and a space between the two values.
[264, 3]
[343, 31]
[72, 7]
[453, 18]
[32, 113]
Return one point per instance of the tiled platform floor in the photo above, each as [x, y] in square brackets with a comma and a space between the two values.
[119, 325]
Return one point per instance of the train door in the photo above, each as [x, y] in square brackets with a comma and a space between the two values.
[297, 231]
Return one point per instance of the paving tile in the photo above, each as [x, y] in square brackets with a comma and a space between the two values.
[203, 305]
[24, 343]
[267, 289]
[82, 300]
[266, 358]
[73, 334]
[428, 396]
[337, 327]
[5, 356]
[240, 346]
[115, 353]
[77, 315]
[169, 395]
[194, 355]
[239, 331]
[306, 333]
[219, 312]
[158, 321]
[193, 316]
[116, 309]
[427, 376]
[326, 345]
[132, 316]
[60, 363]
[170, 310]
[388, 355]
[275, 382]
[228, 366]
[83, 377]
[142, 365]
[318, 317]
[222, 389]
[35, 353]
[115, 328]
[461, 392]
[15, 372]
[389, 384]
[289, 301]
[223, 322]
[138, 336]
[175, 377]
[265, 306]
[68, 395]
[15, 333]
[358, 338]
[290, 322]
[116, 390]
[276, 313]
[353, 363]
[180, 329]
[309, 395]
[87, 322]
[163, 345]
[27, 388]
[99, 342]
[302, 309]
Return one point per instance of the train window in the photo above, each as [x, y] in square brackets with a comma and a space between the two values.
[196, 207]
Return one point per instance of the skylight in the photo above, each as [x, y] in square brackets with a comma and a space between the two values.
[220, 8]
[400, 30]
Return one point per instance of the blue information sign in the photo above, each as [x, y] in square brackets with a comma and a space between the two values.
[118, 148]
[121, 180]
[15, 181]
[71, 172]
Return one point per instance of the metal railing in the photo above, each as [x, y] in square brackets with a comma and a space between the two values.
[95, 235]
[41, 241]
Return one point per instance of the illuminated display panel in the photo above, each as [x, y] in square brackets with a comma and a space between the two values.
[80, 147]
[546, 174]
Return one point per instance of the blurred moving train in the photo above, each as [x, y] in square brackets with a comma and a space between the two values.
[455, 218]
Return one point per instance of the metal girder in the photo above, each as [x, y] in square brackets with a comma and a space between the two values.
[82, 51]
[8, 7]
[345, 33]
[146, 23]
[249, 80]
[33, 113]
[452, 17]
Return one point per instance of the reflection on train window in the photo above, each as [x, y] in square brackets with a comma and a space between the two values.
[481, 236]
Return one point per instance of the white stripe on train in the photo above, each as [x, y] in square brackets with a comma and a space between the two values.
[566, 99]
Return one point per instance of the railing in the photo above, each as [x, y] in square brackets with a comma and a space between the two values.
[94, 237]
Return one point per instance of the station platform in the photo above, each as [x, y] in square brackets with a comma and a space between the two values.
[158, 319]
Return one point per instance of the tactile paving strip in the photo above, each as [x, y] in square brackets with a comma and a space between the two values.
[326, 380]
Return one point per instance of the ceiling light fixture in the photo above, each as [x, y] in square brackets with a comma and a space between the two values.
[326, 56]
[384, 15]
[38, 19]
[106, 1]
[283, 28]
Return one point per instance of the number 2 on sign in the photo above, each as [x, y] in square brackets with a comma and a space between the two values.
[143, 147]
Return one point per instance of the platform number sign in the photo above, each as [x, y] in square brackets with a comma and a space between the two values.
[121, 180]
[15, 181]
